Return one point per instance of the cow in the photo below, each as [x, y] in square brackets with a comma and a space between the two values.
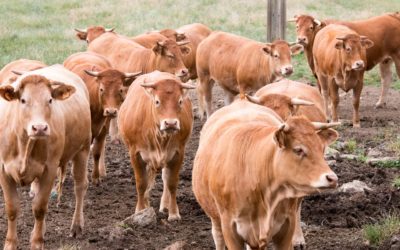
[288, 98]
[155, 123]
[239, 65]
[383, 31]
[107, 90]
[251, 167]
[340, 60]
[91, 33]
[8, 73]
[44, 123]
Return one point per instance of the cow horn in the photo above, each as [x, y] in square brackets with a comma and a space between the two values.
[18, 72]
[148, 84]
[160, 43]
[363, 37]
[298, 101]
[294, 19]
[341, 38]
[130, 75]
[323, 125]
[317, 22]
[182, 43]
[110, 29]
[284, 127]
[187, 86]
[92, 73]
[253, 99]
[79, 30]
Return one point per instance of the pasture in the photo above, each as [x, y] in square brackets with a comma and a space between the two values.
[43, 30]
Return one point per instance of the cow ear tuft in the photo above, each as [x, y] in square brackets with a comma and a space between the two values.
[296, 49]
[339, 45]
[267, 49]
[280, 136]
[62, 92]
[185, 50]
[8, 93]
[328, 135]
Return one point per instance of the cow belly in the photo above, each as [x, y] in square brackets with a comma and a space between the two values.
[158, 159]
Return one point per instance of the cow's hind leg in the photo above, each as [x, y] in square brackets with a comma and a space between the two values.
[386, 80]
[79, 173]
[334, 97]
[204, 93]
[11, 201]
[61, 179]
[217, 235]
[99, 169]
[325, 93]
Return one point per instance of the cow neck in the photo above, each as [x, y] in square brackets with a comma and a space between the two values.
[149, 62]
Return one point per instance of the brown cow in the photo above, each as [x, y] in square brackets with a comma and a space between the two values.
[7, 76]
[339, 61]
[107, 90]
[44, 123]
[250, 168]
[155, 123]
[239, 64]
[383, 31]
[91, 33]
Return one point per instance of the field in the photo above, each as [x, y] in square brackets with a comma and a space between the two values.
[43, 30]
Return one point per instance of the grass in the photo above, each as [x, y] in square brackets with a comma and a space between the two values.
[43, 29]
[396, 182]
[351, 146]
[381, 231]
[389, 164]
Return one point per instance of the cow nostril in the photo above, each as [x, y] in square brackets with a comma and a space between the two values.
[45, 128]
[34, 128]
[331, 178]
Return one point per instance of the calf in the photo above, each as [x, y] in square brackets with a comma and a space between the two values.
[250, 169]
[239, 65]
[340, 60]
[107, 90]
[9, 73]
[44, 123]
[158, 106]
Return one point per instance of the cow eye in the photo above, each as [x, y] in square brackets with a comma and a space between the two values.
[312, 27]
[299, 151]
[101, 90]
[297, 26]
[51, 101]
[157, 103]
[180, 102]
[276, 55]
[121, 91]
[348, 49]
[23, 101]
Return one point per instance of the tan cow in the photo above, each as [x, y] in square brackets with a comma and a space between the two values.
[250, 167]
[155, 123]
[339, 61]
[7, 76]
[107, 90]
[383, 31]
[239, 65]
[91, 33]
[44, 123]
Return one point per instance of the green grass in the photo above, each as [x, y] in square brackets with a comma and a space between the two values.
[389, 164]
[396, 182]
[43, 29]
[351, 146]
[381, 231]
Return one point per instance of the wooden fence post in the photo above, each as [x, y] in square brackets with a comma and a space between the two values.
[276, 20]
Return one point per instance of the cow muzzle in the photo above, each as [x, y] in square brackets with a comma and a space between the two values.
[183, 74]
[37, 130]
[358, 65]
[326, 180]
[302, 40]
[110, 112]
[170, 125]
[287, 70]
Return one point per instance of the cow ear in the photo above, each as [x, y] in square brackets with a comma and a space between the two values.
[62, 91]
[8, 93]
[280, 136]
[180, 37]
[158, 48]
[81, 35]
[296, 49]
[367, 43]
[339, 45]
[267, 48]
[328, 135]
[185, 50]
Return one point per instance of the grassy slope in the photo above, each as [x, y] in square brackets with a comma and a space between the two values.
[43, 29]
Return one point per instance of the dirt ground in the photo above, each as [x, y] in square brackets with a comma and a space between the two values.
[332, 220]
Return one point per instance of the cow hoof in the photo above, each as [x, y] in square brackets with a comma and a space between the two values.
[10, 245]
[96, 182]
[299, 246]
[174, 217]
[116, 141]
[163, 210]
[356, 125]
[75, 231]
[380, 105]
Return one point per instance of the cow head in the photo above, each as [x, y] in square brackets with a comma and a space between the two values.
[35, 96]
[280, 53]
[91, 33]
[112, 88]
[173, 34]
[306, 29]
[283, 105]
[168, 57]
[299, 161]
[352, 49]
[168, 97]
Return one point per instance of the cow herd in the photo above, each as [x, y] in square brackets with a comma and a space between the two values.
[257, 156]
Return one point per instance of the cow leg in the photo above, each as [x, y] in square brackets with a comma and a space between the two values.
[204, 93]
[79, 173]
[99, 169]
[171, 183]
[40, 205]
[334, 96]
[283, 239]
[356, 103]
[233, 241]
[11, 201]
[386, 80]
[141, 179]
[228, 97]
[298, 237]
[216, 231]
[166, 196]
[113, 131]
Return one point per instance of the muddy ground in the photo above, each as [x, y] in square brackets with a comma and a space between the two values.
[332, 220]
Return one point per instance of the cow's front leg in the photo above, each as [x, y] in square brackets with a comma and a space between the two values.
[99, 168]
[334, 96]
[356, 103]
[40, 205]
[141, 178]
[11, 201]
[171, 179]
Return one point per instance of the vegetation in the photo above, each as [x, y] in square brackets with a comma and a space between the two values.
[396, 182]
[389, 164]
[383, 230]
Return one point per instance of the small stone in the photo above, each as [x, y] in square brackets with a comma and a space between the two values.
[142, 218]
[355, 186]
[349, 156]
[373, 153]
[179, 245]
[331, 153]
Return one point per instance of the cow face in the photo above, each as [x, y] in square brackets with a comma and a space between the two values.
[168, 97]
[280, 53]
[299, 161]
[173, 34]
[283, 105]
[169, 58]
[91, 33]
[112, 89]
[352, 49]
[306, 29]
[35, 96]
